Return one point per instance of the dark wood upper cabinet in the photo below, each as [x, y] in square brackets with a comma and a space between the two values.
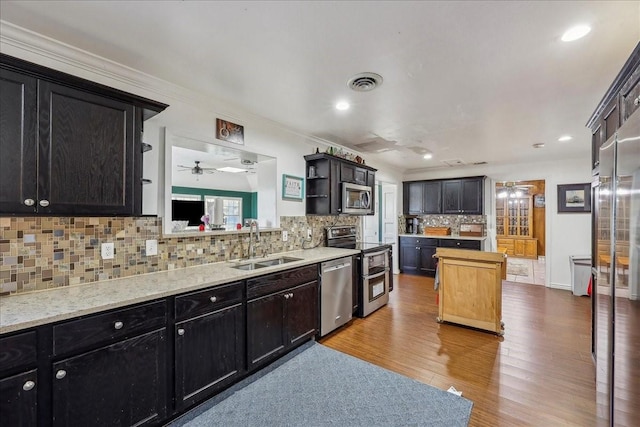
[18, 142]
[68, 146]
[463, 196]
[422, 197]
[324, 175]
[619, 102]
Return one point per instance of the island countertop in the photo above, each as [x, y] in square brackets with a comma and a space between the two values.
[32, 309]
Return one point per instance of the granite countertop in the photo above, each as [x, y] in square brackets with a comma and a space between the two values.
[429, 236]
[28, 310]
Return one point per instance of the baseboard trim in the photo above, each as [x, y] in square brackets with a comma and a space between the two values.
[562, 286]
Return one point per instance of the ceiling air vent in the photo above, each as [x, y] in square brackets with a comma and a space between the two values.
[453, 162]
[365, 82]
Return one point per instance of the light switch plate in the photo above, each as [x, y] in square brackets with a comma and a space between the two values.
[285, 235]
[151, 247]
[107, 250]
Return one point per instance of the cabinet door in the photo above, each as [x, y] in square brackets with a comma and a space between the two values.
[414, 195]
[451, 191]
[471, 196]
[518, 247]
[531, 248]
[301, 313]
[86, 153]
[351, 173]
[265, 328]
[409, 261]
[123, 384]
[630, 101]
[427, 261]
[209, 353]
[18, 400]
[432, 197]
[18, 144]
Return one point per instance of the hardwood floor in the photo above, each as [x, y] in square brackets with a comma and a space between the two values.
[540, 373]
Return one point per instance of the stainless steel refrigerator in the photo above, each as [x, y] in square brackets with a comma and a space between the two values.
[616, 277]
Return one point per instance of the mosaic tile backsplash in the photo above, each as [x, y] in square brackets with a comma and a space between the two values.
[38, 253]
[452, 221]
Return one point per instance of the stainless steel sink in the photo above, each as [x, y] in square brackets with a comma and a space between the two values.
[253, 265]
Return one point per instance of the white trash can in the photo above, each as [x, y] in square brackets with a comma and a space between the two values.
[580, 273]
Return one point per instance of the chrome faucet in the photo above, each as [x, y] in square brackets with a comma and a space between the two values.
[252, 243]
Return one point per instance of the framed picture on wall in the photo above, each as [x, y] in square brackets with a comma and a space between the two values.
[292, 188]
[574, 198]
[538, 201]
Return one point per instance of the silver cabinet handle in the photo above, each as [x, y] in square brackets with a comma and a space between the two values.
[180, 331]
[291, 295]
[286, 296]
[118, 325]
[44, 203]
[29, 202]
[636, 101]
[61, 374]
[28, 385]
[213, 299]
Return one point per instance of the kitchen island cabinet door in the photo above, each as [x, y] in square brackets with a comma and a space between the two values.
[18, 400]
[301, 312]
[209, 353]
[265, 328]
[18, 143]
[123, 384]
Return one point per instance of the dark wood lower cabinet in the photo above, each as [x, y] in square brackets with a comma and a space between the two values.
[123, 367]
[280, 321]
[301, 313]
[416, 253]
[209, 353]
[266, 336]
[18, 400]
[123, 384]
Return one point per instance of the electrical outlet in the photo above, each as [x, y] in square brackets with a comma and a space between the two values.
[285, 235]
[107, 250]
[308, 234]
[151, 247]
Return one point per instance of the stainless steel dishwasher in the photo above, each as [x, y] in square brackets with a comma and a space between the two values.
[336, 304]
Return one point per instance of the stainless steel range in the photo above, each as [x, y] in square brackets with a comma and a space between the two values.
[374, 279]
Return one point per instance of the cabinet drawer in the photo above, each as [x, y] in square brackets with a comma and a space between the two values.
[109, 326]
[419, 241]
[460, 244]
[212, 299]
[277, 282]
[18, 351]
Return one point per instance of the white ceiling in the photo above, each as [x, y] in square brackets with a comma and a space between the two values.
[471, 81]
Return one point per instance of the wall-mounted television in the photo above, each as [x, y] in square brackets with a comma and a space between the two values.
[187, 210]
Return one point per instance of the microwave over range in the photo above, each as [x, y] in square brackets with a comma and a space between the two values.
[356, 199]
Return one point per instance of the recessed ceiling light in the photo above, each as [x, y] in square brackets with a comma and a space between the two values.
[565, 138]
[428, 156]
[342, 105]
[538, 145]
[575, 33]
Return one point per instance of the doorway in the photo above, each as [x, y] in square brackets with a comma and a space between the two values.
[520, 229]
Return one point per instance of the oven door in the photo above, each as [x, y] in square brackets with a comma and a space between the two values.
[375, 292]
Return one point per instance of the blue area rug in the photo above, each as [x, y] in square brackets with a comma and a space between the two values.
[317, 386]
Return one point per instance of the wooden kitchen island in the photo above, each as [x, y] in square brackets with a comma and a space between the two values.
[470, 288]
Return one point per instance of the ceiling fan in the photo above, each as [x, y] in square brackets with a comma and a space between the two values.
[512, 189]
[196, 170]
